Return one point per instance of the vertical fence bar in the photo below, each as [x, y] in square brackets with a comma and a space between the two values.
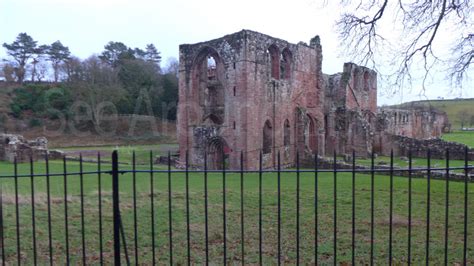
[206, 211]
[135, 223]
[279, 208]
[170, 210]
[242, 220]
[260, 236]
[372, 188]
[335, 208]
[116, 207]
[48, 195]
[224, 217]
[152, 206]
[33, 223]
[316, 210]
[353, 206]
[446, 209]
[409, 204]
[297, 208]
[466, 177]
[2, 240]
[83, 229]
[17, 212]
[66, 216]
[99, 186]
[390, 234]
[188, 230]
[428, 206]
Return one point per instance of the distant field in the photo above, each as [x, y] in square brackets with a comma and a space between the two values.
[451, 107]
[465, 137]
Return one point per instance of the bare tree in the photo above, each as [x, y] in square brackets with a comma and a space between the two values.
[423, 30]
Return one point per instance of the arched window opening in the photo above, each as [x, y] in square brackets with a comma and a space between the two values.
[285, 64]
[211, 68]
[286, 133]
[267, 138]
[213, 119]
[274, 58]
[313, 142]
[207, 82]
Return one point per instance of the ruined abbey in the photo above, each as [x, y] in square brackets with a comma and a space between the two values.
[251, 93]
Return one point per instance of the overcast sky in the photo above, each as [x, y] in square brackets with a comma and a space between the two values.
[85, 26]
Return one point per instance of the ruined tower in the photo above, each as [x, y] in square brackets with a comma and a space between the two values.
[249, 92]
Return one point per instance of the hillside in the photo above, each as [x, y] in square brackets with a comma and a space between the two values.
[453, 108]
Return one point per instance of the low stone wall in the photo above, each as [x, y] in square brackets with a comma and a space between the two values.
[324, 163]
[17, 147]
[419, 148]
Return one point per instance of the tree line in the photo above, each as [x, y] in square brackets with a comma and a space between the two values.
[129, 80]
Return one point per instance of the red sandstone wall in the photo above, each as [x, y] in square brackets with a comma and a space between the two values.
[258, 97]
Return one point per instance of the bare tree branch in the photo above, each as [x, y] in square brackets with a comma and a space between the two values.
[423, 27]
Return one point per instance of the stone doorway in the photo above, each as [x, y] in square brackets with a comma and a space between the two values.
[217, 153]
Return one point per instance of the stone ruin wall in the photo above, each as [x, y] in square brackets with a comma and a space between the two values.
[249, 92]
[259, 85]
[15, 146]
[418, 123]
[350, 107]
[402, 145]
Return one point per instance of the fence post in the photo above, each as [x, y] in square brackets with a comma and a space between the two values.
[116, 208]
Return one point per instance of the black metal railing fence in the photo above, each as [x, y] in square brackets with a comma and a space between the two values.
[135, 214]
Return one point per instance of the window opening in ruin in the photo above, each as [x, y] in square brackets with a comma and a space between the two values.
[213, 97]
[285, 64]
[282, 67]
[312, 134]
[286, 133]
[233, 124]
[267, 138]
[214, 119]
[274, 58]
[234, 65]
[234, 90]
[211, 68]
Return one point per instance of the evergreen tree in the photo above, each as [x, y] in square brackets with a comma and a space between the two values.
[22, 49]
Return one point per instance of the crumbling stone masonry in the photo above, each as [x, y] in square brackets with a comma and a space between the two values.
[15, 146]
[251, 93]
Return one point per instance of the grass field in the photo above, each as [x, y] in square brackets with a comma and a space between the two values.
[465, 137]
[196, 194]
[142, 152]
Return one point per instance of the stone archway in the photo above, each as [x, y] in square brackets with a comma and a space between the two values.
[217, 153]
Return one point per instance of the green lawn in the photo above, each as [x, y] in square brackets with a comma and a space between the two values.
[416, 162]
[196, 194]
[142, 152]
[465, 137]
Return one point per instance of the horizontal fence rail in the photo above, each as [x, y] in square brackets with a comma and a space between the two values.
[63, 212]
